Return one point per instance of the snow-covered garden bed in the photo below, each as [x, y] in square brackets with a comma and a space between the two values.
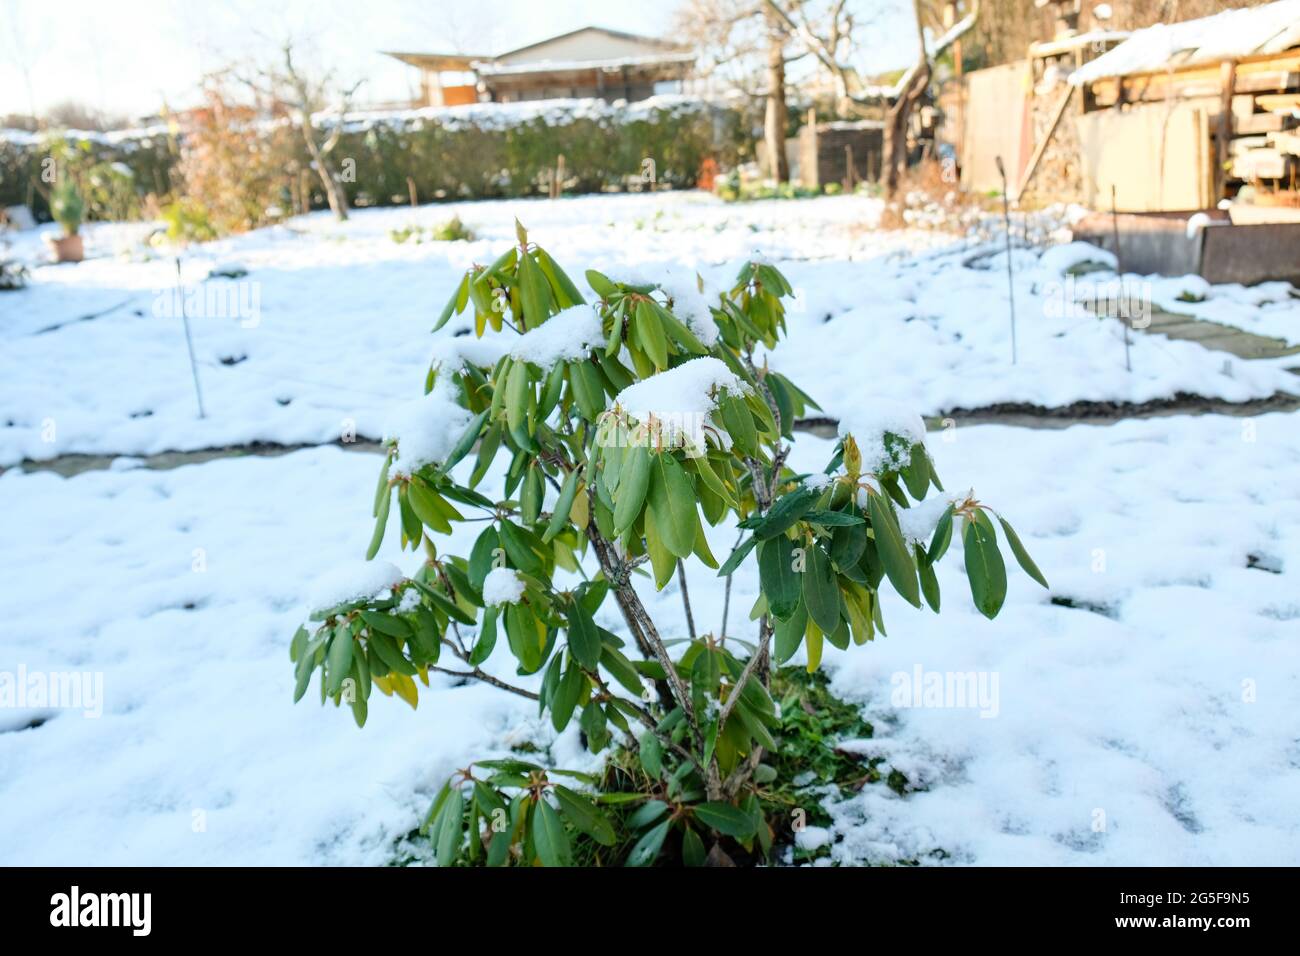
[329, 328]
[1163, 699]
[1141, 711]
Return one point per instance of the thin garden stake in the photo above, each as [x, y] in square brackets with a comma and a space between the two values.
[189, 341]
[1119, 270]
[1011, 285]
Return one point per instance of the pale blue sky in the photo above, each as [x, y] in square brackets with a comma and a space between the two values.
[127, 56]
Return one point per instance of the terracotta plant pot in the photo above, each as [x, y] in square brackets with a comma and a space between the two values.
[67, 248]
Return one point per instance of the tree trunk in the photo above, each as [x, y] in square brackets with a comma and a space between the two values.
[894, 146]
[334, 194]
[777, 115]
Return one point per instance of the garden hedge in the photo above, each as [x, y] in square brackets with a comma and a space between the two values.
[487, 150]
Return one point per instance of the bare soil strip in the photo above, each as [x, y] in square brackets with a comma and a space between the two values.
[1019, 415]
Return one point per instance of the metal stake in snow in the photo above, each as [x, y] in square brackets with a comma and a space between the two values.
[1011, 285]
[1119, 270]
[189, 341]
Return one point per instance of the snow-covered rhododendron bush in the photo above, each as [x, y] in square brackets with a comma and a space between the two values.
[624, 425]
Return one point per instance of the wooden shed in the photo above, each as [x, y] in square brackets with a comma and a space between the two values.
[845, 152]
[588, 63]
[1181, 116]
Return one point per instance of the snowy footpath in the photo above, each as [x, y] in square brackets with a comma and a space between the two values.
[1143, 711]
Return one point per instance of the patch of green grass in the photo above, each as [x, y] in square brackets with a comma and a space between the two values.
[1085, 268]
[731, 192]
[453, 230]
[808, 766]
[814, 722]
[792, 783]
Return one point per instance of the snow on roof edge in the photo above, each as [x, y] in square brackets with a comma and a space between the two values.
[1227, 35]
[488, 68]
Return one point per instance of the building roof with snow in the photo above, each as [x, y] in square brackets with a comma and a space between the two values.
[588, 62]
[1230, 35]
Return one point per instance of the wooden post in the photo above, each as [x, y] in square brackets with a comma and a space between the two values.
[189, 340]
[410, 189]
[557, 177]
[812, 177]
[1114, 228]
[1223, 135]
[1011, 282]
[1119, 271]
[1044, 143]
[949, 17]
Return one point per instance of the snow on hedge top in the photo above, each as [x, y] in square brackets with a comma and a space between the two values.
[608, 64]
[426, 429]
[125, 139]
[356, 581]
[1234, 33]
[483, 116]
[689, 304]
[502, 586]
[869, 425]
[566, 336]
[681, 400]
[501, 116]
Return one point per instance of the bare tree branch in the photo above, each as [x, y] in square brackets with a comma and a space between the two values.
[479, 674]
[639, 620]
[755, 659]
[848, 82]
[686, 597]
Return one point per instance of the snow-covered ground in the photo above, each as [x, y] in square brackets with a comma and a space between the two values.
[1152, 722]
[1266, 309]
[1155, 723]
[1168, 706]
[330, 326]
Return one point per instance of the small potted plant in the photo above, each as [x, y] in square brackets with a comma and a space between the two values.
[66, 206]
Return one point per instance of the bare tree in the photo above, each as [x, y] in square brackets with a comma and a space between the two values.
[749, 46]
[24, 50]
[19, 121]
[894, 146]
[71, 114]
[831, 41]
[776, 113]
[303, 96]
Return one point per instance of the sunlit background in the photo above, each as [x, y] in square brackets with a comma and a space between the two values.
[133, 58]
